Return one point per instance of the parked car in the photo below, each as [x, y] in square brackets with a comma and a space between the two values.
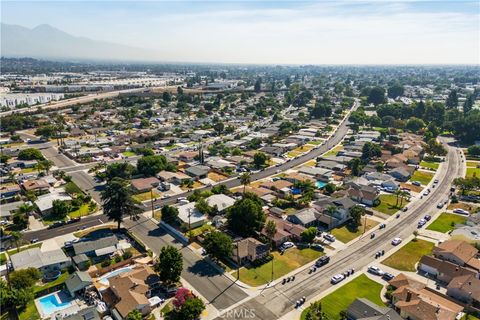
[322, 261]
[34, 240]
[427, 217]
[388, 276]
[461, 211]
[329, 237]
[440, 205]
[421, 223]
[375, 270]
[337, 278]
[435, 181]
[416, 183]
[317, 246]
[382, 226]
[405, 209]
[287, 245]
[396, 241]
[426, 192]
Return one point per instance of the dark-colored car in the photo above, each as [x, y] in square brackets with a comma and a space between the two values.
[388, 276]
[322, 261]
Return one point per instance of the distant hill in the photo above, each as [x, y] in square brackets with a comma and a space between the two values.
[47, 42]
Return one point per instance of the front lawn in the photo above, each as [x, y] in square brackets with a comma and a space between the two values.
[471, 172]
[50, 219]
[129, 154]
[334, 151]
[145, 196]
[84, 210]
[13, 251]
[388, 204]
[282, 264]
[347, 233]
[430, 165]
[422, 177]
[446, 222]
[71, 188]
[407, 257]
[340, 299]
[3, 258]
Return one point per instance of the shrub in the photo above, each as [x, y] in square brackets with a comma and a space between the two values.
[106, 263]
[127, 255]
[117, 259]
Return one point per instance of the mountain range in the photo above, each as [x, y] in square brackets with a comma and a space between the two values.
[47, 42]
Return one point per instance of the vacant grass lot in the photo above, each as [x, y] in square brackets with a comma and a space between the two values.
[462, 205]
[430, 165]
[406, 258]
[422, 177]
[347, 233]
[282, 264]
[473, 172]
[388, 204]
[340, 299]
[446, 222]
[334, 151]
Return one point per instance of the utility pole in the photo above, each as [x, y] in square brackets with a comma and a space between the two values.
[365, 224]
[238, 262]
[151, 197]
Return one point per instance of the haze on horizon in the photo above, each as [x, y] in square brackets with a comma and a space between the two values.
[336, 32]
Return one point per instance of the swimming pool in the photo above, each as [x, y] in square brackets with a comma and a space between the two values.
[104, 279]
[320, 184]
[54, 302]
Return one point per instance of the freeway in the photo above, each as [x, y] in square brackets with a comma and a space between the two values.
[279, 299]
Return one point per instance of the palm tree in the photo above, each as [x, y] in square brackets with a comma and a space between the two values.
[44, 165]
[270, 230]
[16, 236]
[245, 180]
[117, 201]
[25, 208]
[403, 195]
[331, 210]
[398, 192]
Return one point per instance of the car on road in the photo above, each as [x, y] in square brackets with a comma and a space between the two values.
[322, 261]
[435, 181]
[426, 192]
[329, 237]
[440, 205]
[337, 278]
[421, 223]
[396, 241]
[405, 209]
[461, 211]
[427, 217]
[34, 240]
[388, 276]
[375, 270]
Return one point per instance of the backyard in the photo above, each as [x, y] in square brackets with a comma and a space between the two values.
[446, 222]
[407, 257]
[51, 284]
[340, 299]
[29, 313]
[388, 204]
[347, 233]
[282, 264]
[422, 176]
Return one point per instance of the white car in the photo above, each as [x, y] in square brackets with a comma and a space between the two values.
[337, 278]
[376, 270]
[396, 241]
[329, 237]
[461, 211]
[426, 193]
[287, 245]
[421, 222]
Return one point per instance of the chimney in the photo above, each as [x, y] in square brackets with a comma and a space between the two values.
[409, 296]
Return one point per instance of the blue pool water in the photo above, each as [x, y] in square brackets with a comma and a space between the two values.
[320, 184]
[53, 303]
[104, 279]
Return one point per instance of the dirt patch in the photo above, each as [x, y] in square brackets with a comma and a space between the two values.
[411, 187]
[462, 205]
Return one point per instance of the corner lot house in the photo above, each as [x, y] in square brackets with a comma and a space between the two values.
[43, 261]
[190, 216]
[45, 202]
[144, 184]
[250, 249]
[458, 252]
[222, 202]
[96, 247]
[363, 309]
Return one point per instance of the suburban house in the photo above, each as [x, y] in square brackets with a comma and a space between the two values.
[466, 288]
[96, 247]
[249, 249]
[43, 261]
[366, 195]
[340, 216]
[198, 171]
[44, 202]
[144, 184]
[400, 174]
[77, 281]
[132, 290]
[285, 231]
[443, 271]
[298, 177]
[319, 173]
[413, 300]
[37, 186]
[221, 201]
[173, 177]
[364, 309]
[9, 191]
[458, 252]
[190, 216]
[306, 217]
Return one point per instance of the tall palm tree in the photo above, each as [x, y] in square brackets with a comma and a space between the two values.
[245, 180]
[398, 192]
[117, 201]
[331, 210]
[403, 195]
[25, 208]
[16, 236]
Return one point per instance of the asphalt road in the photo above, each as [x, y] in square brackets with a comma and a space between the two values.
[59, 159]
[218, 289]
[280, 299]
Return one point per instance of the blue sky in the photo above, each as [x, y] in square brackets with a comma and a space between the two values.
[291, 32]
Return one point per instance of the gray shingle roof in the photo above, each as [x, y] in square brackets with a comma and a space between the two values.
[92, 245]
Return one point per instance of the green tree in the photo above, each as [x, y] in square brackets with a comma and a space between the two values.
[169, 214]
[60, 208]
[245, 180]
[314, 312]
[474, 150]
[321, 110]
[169, 264]
[258, 85]
[371, 150]
[435, 148]
[396, 90]
[260, 159]
[414, 124]
[122, 170]
[309, 234]
[191, 309]
[16, 236]
[24, 278]
[356, 212]
[329, 188]
[219, 127]
[30, 154]
[117, 201]
[134, 315]
[151, 165]
[355, 165]
[218, 245]
[452, 100]
[245, 217]
[376, 96]
[270, 230]
[46, 131]
[202, 206]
